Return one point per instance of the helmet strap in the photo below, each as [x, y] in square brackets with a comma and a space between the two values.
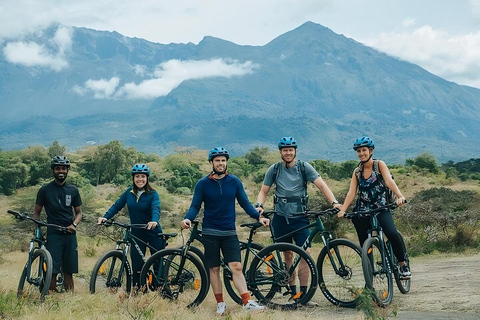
[371, 155]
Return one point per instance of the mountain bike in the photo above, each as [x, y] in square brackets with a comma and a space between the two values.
[112, 272]
[378, 260]
[172, 261]
[37, 273]
[338, 264]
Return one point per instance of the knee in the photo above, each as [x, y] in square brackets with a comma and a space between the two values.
[236, 267]
[215, 270]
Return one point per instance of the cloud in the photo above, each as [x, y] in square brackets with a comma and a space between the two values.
[167, 76]
[453, 57]
[102, 89]
[51, 55]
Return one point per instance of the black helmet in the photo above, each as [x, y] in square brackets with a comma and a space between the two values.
[287, 142]
[363, 142]
[216, 152]
[59, 161]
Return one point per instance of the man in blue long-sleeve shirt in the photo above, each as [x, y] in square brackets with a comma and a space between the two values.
[218, 192]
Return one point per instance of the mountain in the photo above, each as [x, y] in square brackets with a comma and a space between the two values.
[311, 83]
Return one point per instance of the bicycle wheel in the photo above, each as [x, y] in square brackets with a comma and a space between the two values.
[403, 284]
[177, 276]
[270, 279]
[39, 277]
[378, 277]
[340, 273]
[111, 275]
[227, 273]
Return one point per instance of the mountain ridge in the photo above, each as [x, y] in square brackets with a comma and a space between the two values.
[323, 88]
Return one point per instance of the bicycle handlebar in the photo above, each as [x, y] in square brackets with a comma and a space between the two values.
[111, 222]
[24, 216]
[368, 213]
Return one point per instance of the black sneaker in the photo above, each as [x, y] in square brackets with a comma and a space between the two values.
[404, 271]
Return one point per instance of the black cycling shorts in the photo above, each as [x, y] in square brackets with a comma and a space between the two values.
[228, 244]
[64, 251]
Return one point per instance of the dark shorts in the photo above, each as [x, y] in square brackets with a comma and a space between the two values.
[64, 251]
[228, 244]
[280, 227]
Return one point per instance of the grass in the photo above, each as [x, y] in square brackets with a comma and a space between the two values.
[83, 305]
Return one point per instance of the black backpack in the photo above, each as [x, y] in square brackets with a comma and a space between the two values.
[391, 197]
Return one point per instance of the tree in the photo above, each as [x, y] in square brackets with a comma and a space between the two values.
[427, 161]
[56, 149]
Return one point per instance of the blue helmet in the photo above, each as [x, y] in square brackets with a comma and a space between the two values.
[216, 152]
[59, 161]
[363, 142]
[140, 168]
[287, 142]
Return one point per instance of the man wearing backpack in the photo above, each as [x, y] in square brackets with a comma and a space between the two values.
[290, 177]
[374, 182]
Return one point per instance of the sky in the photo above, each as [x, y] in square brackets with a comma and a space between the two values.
[441, 36]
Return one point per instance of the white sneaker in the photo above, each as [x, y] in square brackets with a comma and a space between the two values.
[221, 308]
[252, 306]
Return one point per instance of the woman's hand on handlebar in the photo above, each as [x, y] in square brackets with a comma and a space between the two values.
[101, 220]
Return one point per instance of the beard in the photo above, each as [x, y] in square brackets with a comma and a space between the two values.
[60, 177]
[219, 172]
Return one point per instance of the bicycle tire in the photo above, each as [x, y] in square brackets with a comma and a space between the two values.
[340, 274]
[269, 278]
[402, 284]
[161, 273]
[377, 273]
[106, 276]
[41, 268]
[227, 274]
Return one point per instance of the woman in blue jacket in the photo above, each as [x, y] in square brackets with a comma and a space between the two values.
[143, 205]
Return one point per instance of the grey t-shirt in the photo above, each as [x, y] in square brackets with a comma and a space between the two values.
[290, 185]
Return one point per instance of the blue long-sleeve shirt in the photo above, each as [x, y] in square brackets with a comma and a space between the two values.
[218, 198]
[142, 210]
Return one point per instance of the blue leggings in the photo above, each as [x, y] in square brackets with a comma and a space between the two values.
[385, 219]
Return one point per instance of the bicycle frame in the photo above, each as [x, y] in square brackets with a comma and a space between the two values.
[385, 250]
[317, 228]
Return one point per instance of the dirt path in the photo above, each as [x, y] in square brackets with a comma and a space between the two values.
[443, 287]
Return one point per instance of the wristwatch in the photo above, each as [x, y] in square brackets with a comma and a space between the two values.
[334, 202]
[259, 205]
[74, 224]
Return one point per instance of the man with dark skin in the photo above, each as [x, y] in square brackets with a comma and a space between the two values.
[62, 204]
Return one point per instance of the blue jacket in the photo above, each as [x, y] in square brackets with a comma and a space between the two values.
[218, 197]
[142, 210]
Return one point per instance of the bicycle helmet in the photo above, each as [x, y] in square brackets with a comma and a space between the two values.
[59, 161]
[287, 142]
[363, 142]
[216, 152]
[140, 168]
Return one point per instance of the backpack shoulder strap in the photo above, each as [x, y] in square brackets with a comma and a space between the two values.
[378, 173]
[276, 169]
[301, 165]
[359, 170]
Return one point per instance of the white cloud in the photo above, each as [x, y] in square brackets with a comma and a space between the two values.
[32, 54]
[172, 73]
[102, 89]
[453, 57]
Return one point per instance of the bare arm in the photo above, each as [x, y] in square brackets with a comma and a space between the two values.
[350, 195]
[36, 211]
[262, 196]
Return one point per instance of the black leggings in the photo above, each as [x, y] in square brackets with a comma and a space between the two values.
[385, 219]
